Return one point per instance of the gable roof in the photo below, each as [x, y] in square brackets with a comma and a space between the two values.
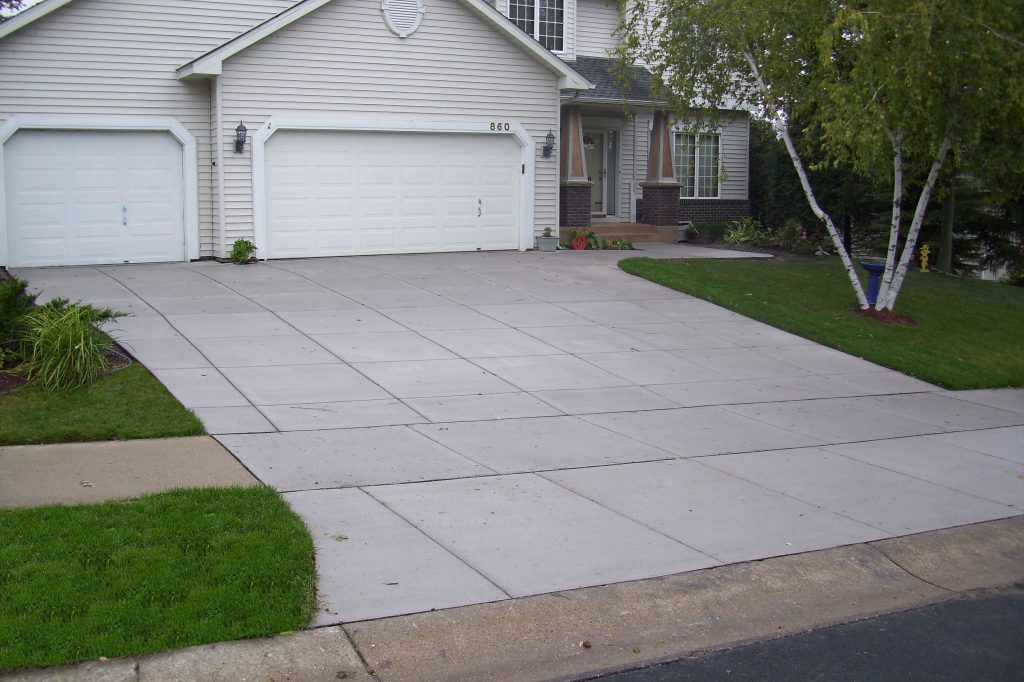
[211, 63]
[603, 73]
[27, 16]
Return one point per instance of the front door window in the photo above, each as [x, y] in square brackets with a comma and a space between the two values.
[593, 150]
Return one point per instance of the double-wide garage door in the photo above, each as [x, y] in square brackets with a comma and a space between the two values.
[77, 197]
[333, 193]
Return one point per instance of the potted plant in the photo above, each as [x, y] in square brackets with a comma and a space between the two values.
[242, 252]
[547, 241]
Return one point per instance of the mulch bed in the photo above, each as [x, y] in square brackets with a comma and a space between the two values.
[11, 380]
[886, 316]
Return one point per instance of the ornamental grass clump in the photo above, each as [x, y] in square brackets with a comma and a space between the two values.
[62, 345]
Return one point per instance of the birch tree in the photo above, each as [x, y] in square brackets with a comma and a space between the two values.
[890, 85]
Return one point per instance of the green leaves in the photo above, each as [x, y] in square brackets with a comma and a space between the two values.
[62, 345]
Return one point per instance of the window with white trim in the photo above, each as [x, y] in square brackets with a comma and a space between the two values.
[697, 161]
[542, 19]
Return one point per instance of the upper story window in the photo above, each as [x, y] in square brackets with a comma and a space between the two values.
[697, 160]
[542, 19]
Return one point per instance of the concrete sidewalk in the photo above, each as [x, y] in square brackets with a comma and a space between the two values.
[488, 426]
[87, 473]
[580, 633]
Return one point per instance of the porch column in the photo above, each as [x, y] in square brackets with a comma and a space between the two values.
[661, 189]
[574, 189]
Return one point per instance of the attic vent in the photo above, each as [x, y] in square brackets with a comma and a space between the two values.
[402, 16]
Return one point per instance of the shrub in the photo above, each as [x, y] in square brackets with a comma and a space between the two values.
[746, 232]
[709, 233]
[62, 345]
[242, 251]
[598, 243]
[793, 237]
[15, 301]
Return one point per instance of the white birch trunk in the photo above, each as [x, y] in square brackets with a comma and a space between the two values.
[915, 225]
[783, 129]
[897, 207]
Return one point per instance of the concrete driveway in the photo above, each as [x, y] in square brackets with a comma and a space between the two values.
[465, 428]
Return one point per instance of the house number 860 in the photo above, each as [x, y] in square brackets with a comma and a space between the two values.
[501, 127]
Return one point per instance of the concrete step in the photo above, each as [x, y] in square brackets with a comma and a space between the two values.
[636, 232]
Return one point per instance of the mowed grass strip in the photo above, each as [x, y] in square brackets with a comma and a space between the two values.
[164, 571]
[129, 403]
[969, 333]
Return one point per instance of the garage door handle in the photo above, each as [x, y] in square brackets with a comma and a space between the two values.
[479, 207]
[124, 215]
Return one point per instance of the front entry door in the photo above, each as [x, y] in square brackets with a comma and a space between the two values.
[593, 149]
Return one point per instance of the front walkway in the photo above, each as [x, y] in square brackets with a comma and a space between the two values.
[464, 428]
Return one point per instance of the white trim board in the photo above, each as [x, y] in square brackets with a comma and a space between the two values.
[27, 16]
[528, 148]
[190, 163]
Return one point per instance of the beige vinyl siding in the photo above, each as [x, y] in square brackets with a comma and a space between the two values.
[641, 150]
[342, 62]
[118, 58]
[596, 21]
[735, 151]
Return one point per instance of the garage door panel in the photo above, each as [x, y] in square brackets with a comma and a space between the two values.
[87, 197]
[386, 192]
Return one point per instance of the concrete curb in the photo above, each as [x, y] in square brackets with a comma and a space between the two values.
[625, 625]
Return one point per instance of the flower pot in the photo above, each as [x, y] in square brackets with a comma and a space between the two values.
[547, 243]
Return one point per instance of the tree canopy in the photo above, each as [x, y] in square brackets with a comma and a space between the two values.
[891, 87]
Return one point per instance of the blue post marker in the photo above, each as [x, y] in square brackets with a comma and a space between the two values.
[875, 271]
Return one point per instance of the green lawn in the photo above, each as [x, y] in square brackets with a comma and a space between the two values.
[129, 403]
[970, 333]
[170, 570]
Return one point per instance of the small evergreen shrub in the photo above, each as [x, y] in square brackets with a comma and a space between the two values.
[15, 301]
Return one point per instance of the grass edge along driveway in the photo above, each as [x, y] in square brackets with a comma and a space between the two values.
[170, 570]
[125, 404]
[969, 333]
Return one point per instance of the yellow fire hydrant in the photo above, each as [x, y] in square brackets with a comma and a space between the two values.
[925, 252]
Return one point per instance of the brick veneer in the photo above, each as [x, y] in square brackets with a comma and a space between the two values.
[713, 210]
[574, 205]
[661, 204]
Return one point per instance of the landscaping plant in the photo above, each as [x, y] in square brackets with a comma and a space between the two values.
[746, 232]
[15, 302]
[62, 346]
[242, 251]
[596, 243]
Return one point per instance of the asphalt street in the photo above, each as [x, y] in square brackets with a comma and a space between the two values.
[970, 638]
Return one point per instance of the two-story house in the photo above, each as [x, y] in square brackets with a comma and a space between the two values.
[146, 131]
[615, 123]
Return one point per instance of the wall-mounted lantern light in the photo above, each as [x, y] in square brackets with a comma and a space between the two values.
[549, 144]
[240, 132]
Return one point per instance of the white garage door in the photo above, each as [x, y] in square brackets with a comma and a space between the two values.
[332, 193]
[89, 197]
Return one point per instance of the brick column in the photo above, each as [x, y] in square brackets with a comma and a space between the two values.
[661, 191]
[661, 204]
[574, 205]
